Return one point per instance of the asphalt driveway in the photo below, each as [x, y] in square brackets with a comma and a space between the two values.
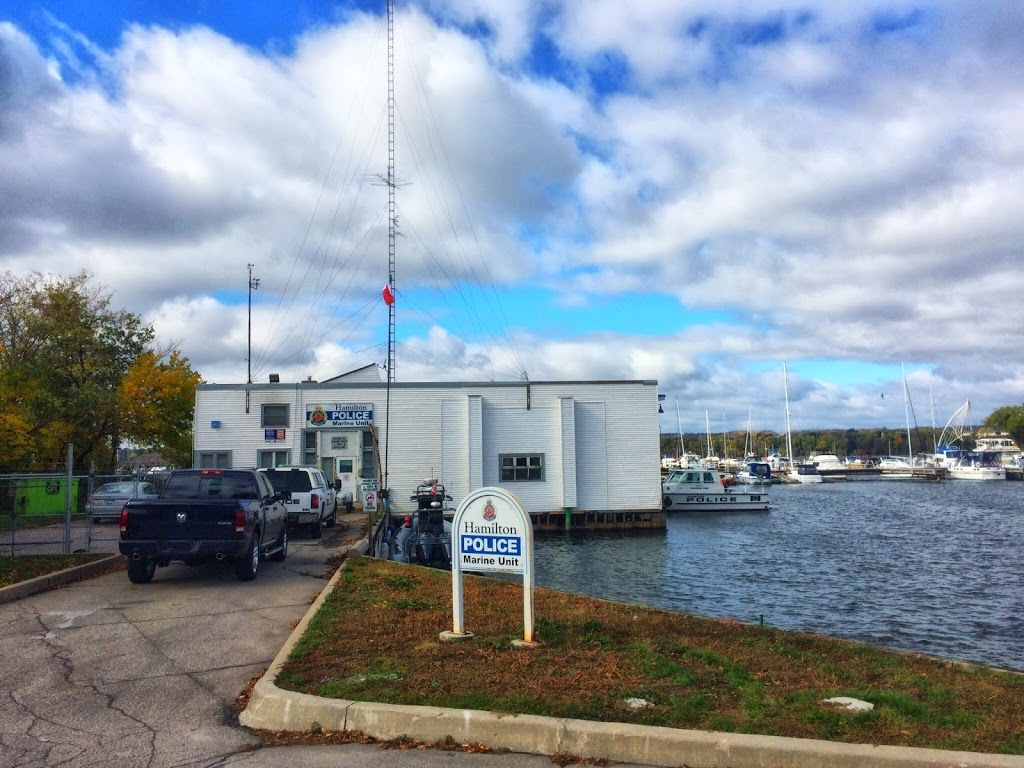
[106, 673]
[103, 672]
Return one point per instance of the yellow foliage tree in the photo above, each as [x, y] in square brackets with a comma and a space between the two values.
[156, 402]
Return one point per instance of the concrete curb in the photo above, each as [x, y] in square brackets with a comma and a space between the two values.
[271, 708]
[58, 579]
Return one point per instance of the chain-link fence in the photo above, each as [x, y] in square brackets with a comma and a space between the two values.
[57, 513]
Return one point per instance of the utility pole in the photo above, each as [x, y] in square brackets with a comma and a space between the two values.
[254, 283]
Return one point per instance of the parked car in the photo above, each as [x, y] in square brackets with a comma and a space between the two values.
[311, 501]
[107, 501]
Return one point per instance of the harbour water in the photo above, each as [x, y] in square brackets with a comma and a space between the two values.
[933, 568]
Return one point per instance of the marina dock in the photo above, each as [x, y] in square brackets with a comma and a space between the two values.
[581, 520]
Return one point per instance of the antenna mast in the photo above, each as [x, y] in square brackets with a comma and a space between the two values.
[254, 283]
[391, 231]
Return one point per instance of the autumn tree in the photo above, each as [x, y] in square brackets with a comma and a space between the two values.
[157, 402]
[64, 356]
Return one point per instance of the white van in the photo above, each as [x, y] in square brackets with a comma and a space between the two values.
[313, 500]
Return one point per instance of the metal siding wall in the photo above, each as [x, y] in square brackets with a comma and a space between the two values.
[455, 447]
[476, 443]
[241, 433]
[567, 434]
[592, 456]
[517, 430]
[634, 456]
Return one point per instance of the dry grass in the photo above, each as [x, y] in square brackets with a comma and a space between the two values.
[376, 639]
[18, 568]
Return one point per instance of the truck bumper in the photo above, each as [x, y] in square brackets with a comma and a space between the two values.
[184, 551]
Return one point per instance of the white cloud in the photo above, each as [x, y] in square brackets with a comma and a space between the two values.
[839, 189]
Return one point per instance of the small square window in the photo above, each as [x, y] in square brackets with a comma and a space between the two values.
[522, 467]
[275, 415]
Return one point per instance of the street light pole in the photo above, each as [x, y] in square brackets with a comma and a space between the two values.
[254, 283]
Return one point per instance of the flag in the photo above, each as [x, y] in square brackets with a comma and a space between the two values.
[389, 297]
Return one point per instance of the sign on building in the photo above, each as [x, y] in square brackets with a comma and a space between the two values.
[491, 533]
[340, 415]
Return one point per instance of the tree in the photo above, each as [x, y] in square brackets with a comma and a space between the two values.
[1008, 419]
[156, 406]
[64, 356]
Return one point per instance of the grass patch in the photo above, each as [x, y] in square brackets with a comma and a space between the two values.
[17, 568]
[375, 638]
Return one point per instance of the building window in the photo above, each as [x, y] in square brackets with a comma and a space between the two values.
[344, 466]
[271, 459]
[369, 468]
[309, 448]
[529, 466]
[275, 415]
[214, 460]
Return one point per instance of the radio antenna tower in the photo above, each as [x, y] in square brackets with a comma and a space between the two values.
[392, 227]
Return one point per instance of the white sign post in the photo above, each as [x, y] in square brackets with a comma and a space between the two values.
[491, 533]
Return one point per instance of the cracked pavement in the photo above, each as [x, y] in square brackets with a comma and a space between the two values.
[106, 673]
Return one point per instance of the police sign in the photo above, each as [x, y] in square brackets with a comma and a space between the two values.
[492, 533]
[340, 415]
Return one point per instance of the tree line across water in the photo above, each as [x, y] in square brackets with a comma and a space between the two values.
[876, 441]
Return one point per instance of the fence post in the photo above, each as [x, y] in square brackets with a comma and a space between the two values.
[67, 498]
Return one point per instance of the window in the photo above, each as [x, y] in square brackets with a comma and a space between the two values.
[522, 467]
[275, 415]
[369, 468]
[345, 466]
[214, 460]
[267, 459]
[309, 448]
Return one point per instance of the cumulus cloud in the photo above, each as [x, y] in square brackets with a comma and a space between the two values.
[819, 182]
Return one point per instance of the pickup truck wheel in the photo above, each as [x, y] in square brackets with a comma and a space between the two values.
[246, 567]
[141, 571]
[333, 518]
[316, 529]
[281, 551]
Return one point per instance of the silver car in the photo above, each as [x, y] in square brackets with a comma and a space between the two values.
[107, 501]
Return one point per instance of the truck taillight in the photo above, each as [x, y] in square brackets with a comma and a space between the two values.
[124, 519]
[239, 521]
[315, 502]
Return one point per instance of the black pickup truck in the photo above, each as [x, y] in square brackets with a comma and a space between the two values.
[202, 515]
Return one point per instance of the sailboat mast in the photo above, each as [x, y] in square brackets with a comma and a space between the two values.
[789, 434]
[906, 407]
[679, 430]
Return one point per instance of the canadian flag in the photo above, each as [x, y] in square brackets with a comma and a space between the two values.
[389, 296]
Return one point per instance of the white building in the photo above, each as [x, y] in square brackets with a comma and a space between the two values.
[580, 445]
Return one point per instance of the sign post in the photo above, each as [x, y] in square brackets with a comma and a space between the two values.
[491, 533]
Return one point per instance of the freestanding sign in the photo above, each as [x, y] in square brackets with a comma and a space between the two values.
[491, 532]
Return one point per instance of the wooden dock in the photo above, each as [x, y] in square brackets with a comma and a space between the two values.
[582, 520]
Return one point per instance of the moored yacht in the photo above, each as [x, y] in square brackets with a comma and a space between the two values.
[978, 465]
[830, 466]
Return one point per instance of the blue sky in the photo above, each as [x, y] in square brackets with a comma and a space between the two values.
[693, 193]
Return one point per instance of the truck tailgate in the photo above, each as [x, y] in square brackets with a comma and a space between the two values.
[172, 519]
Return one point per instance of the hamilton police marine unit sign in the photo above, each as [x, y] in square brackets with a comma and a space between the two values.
[492, 533]
[340, 415]
[489, 541]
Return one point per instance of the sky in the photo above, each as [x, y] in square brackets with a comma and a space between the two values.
[688, 191]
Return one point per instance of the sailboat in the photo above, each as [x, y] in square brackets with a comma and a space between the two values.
[804, 472]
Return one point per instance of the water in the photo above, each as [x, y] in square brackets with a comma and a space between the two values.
[934, 568]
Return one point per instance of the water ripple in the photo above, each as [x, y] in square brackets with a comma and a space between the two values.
[929, 568]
